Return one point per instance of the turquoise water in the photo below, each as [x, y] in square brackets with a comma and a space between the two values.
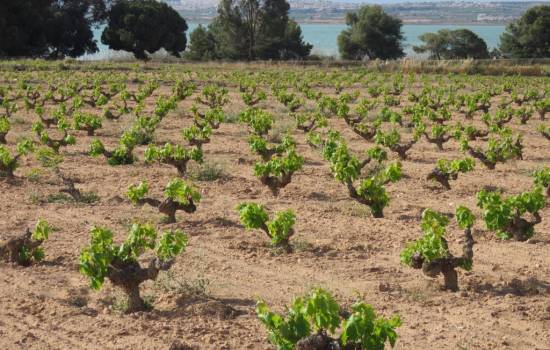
[323, 37]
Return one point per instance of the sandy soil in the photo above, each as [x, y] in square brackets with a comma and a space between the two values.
[504, 302]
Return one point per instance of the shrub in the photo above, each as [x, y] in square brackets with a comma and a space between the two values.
[55, 144]
[119, 263]
[9, 162]
[277, 172]
[431, 252]
[312, 322]
[178, 196]
[26, 248]
[279, 230]
[121, 155]
[504, 215]
[542, 178]
[448, 170]
[87, 122]
[177, 156]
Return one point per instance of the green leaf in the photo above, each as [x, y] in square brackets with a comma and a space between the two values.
[171, 244]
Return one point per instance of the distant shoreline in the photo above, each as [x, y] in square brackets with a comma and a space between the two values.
[207, 20]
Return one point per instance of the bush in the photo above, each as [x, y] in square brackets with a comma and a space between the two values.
[312, 322]
[279, 230]
[431, 252]
[119, 263]
[504, 215]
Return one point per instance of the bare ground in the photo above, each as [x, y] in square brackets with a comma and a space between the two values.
[504, 302]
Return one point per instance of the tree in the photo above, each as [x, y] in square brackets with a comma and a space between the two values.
[144, 26]
[202, 45]
[453, 44]
[372, 34]
[293, 45]
[528, 36]
[69, 30]
[49, 28]
[252, 29]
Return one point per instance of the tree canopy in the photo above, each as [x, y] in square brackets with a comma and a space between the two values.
[249, 30]
[452, 44]
[49, 28]
[529, 36]
[202, 45]
[372, 34]
[144, 26]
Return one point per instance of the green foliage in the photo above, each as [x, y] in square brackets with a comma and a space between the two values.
[8, 162]
[86, 121]
[371, 34]
[371, 191]
[430, 246]
[253, 216]
[544, 130]
[388, 139]
[42, 230]
[53, 29]
[279, 229]
[202, 45]
[500, 213]
[4, 125]
[213, 96]
[96, 259]
[453, 44]
[542, 178]
[28, 255]
[259, 121]
[455, 166]
[128, 19]
[464, 217]
[527, 37]
[171, 244]
[196, 135]
[363, 327]
[499, 149]
[319, 313]
[249, 30]
[179, 191]
[122, 154]
[169, 153]
[344, 166]
[285, 164]
[137, 192]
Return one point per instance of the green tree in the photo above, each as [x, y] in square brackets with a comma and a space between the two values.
[529, 36]
[453, 44]
[293, 45]
[144, 26]
[257, 29]
[69, 30]
[202, 45]
[372, 34]
[49, 28]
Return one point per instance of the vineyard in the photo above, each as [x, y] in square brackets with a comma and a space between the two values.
[228, 206]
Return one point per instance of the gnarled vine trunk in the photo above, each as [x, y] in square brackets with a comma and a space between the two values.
[128, 275]
[447, 265]
[11, 248]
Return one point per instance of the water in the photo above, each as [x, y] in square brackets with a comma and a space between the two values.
[323, 37]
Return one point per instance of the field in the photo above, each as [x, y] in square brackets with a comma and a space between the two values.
[207, 299]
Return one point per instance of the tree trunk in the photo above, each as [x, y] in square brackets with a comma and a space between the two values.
[450, 277]
[135, 303]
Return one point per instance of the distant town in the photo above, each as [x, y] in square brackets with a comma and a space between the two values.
[322, 11]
